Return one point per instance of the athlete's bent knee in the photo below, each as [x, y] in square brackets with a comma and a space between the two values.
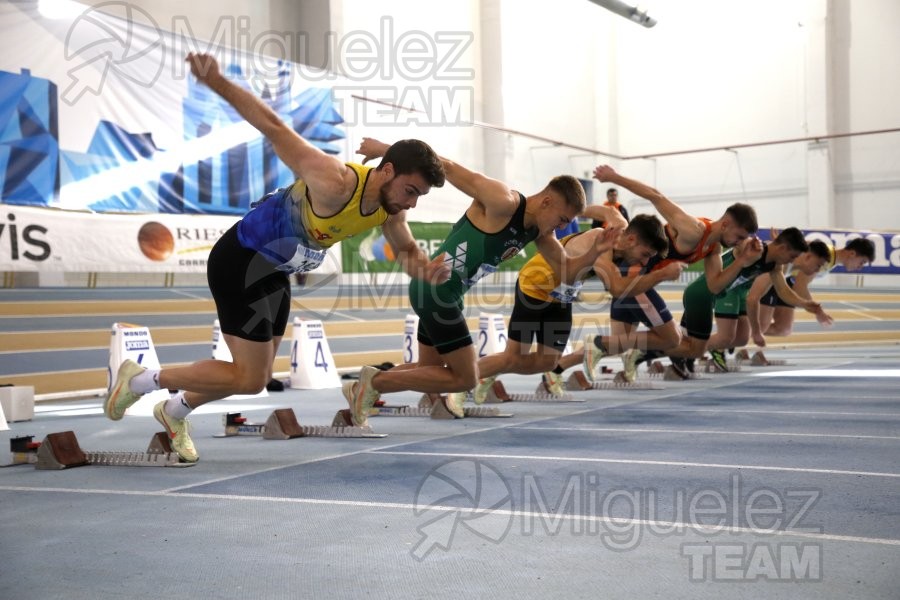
[669, 338]
[251, 383]
[466, 382]
[545, 362]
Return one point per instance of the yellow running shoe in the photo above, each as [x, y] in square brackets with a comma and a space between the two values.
[481, 390]
[554, 383]
[361, 396]
[592, 356]
[120, 397]
[454, 404]
[178, 430]
[630, 364]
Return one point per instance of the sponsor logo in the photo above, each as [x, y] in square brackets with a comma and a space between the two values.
[509, 253]
[24, 241]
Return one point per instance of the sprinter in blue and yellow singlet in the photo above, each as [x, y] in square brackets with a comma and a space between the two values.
[289, 230]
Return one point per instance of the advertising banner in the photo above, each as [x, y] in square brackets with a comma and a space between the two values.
[48, 240]
[371, 253]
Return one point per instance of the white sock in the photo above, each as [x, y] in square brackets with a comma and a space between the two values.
[145, 382]
[176, 407]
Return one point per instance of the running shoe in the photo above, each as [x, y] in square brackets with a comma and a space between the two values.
[554, 383]
[481, 390]
[361, 396]
[630, 361]
[179, 433]
[679, 365]
[592, 356]
[120, 397]
[718, 359]
[455, 402]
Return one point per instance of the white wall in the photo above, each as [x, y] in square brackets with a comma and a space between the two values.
[866, 63]
[444, 85]
[710, 73]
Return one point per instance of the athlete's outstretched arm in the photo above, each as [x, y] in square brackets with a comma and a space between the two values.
[785, 292]
[620, 286]
[320, 171]
[801, 284]
[718, 278]
[483, 189]
[412, 258]
[760, 287]
[687, 226]
[568, 265]
[610, 216]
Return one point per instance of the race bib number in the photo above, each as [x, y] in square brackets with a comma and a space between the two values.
[566, 293]
[482, 272]
[304, 259]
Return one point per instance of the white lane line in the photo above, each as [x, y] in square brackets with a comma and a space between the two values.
[472, 430]
[759, 412]
[343, 315]
[861, 313]
[842, 373]
[193, 296]
[623, 461]
[415, 508]
[856, 306]
[328, 457]
[715, 432]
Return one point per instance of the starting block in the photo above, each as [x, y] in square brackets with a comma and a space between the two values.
[24, 450]
[439, 411]
[669, 374]
[343, 420]
[235, 424]
[402, 411]
[62, 451]
[578, 382]
[710, 367]
[282, 424]
[655, 367]
[498, 394]
[759, 360]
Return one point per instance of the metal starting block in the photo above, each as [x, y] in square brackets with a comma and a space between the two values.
[402, 411]
[709, 366]
[439, 411]
[578, 382]
[759, 360]
[669, 374]
[24, 450]
[62, 451]
[235, 424]
[656, 367]
[282, 424]
[498, 394]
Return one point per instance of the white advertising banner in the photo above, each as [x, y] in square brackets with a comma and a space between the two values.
[47, 240]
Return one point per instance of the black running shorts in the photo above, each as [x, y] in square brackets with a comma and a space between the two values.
[253, 299]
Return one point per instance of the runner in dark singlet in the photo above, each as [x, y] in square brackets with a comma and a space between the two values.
[691, 239]
[496, 226]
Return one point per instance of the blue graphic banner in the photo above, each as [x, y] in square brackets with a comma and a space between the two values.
[106, 117]
[887, 247]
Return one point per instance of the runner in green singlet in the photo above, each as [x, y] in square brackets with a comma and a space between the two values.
[496, 226]
[699, 302]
